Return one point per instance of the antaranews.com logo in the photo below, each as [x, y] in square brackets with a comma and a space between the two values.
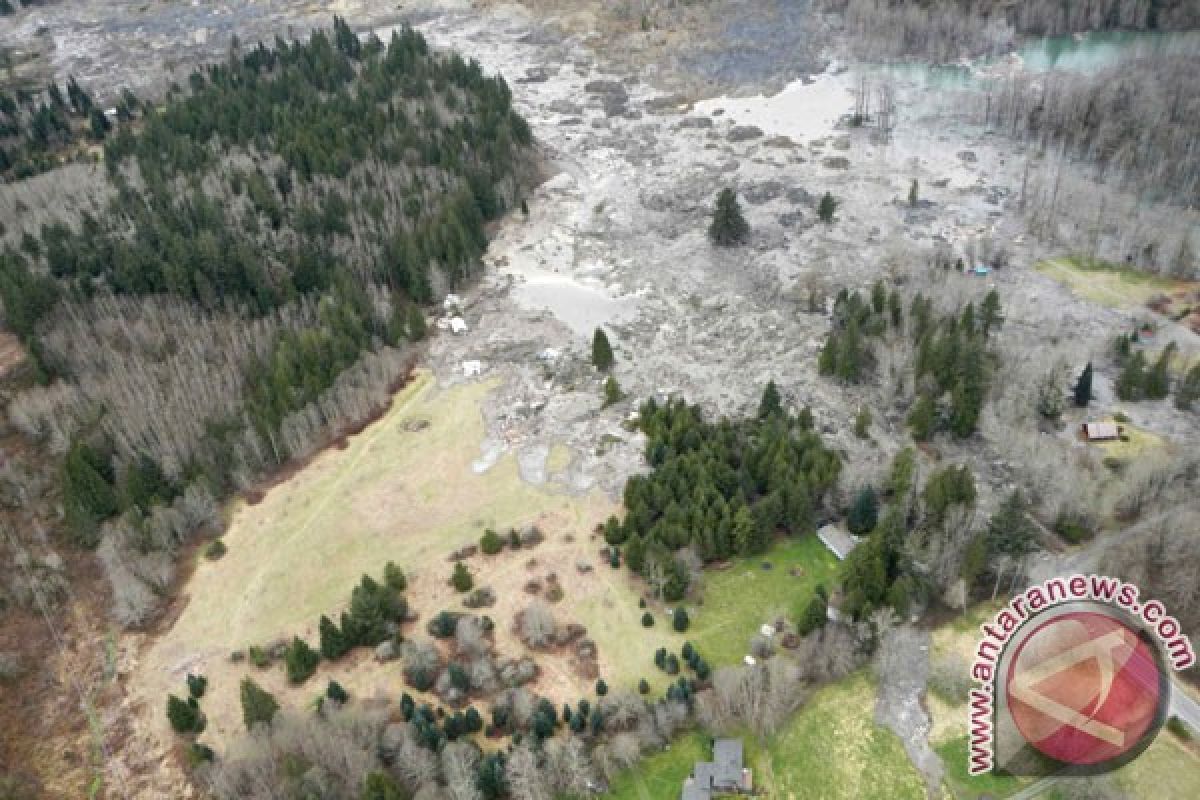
[1073, 677]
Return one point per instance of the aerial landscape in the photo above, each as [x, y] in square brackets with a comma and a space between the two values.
[646, 399]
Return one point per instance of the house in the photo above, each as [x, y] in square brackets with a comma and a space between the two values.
[723, 775]
[1100, 431]
[839, 542]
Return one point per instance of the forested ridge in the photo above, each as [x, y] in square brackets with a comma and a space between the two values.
[253, 285]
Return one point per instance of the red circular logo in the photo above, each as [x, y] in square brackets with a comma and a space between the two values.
[1084, 688]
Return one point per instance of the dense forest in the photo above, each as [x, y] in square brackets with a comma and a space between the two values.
[253, 285]
[719, 489]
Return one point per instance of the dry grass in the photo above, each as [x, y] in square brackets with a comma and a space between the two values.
[1139, 442]
[403, 494]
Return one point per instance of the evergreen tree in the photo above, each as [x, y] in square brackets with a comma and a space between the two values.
[602, 354]
[680, 620]
[336, 693]
[771, 402]
[912, 194]
[864, 512]
[490, 543]
[647, 620]
[1188, 392]
[184, 716]
[416, 323]
[461, 580]
[1158, 379]
[862, 422]
[728, 226]
[612, 391]
[393, 577]
[1010, 530]
[601, 688]
[923, 417]
[333, 645]
[197, 685]
[815, 614]
[301, 661]
[1131, 383]
[990, 313]
[258, 706]
[1083, 387]
[827, 208]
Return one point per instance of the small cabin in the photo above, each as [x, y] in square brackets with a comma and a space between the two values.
[1100, 431]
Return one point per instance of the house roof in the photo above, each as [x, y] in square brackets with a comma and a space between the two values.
[693, 791]
[839, 542]
[1101, 430]
[724, 772]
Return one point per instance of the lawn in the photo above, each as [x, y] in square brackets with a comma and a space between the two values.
[661, 775]
[1114, 285]
[953, 753]
[1139, 441]
[832, 749]
[738, 600]
[1167, 770]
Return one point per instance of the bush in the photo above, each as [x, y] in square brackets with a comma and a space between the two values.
[647, 620]
[680, 620]
[443, 625]
[336, 693]
[214, 550]
[301, 661]
[258, 705]
[491, 543]
[184, 716]
[1178, 727]
[461, 580]
[198, 754]
[379, 785]
[196, 685]
[259, 657]
[601, 688]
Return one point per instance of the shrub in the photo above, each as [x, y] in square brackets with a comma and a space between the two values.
[491, 543]
[461, 580]
[196, 685]
[643, 686]
[647, 620]
[259, 657]
[443, 625]
[214, 550]
[336, 693]
[458, 676]
[1177, 726]
[198, 754]
[379, 785]
[301, 661]
[393, 577]
[184, 716]
[680, 620]
[601, 688]
[641, 602]
[258, 705]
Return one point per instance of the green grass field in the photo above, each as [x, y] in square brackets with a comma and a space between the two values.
[833, 749]
[661, 775]
[1114, 285]
[738, 600]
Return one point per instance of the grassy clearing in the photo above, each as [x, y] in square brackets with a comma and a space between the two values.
[953, 753]
[402, 490]
[1139, 442]
[738, 600]
[1113, 285]
[1167, 770]
[832, 748]
[662, 774]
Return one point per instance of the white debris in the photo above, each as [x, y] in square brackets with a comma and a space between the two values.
[458, 325]
[767, 630]
[750, 661]
[452, 302]
[472, 368]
